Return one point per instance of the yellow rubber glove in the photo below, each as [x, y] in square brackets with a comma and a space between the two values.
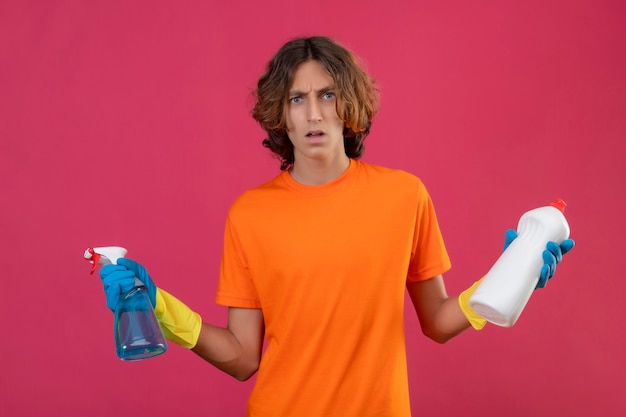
[179, 323]
[475, 320]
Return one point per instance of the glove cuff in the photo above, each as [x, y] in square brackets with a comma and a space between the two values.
[474, 319]
[179, 323]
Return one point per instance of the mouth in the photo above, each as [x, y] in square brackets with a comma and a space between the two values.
[314, 134]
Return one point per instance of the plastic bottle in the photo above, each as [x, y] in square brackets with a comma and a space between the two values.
[138, 334]
[503, 293]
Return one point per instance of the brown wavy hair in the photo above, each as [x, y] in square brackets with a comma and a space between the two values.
[357, 94]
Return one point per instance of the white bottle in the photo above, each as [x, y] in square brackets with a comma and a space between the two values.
[504, 291]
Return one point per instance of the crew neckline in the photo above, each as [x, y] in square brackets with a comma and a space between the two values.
[339, 182]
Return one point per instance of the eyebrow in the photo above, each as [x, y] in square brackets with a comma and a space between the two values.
[298, 93]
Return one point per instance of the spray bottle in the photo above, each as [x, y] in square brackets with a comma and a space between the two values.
[138, 334]
[504, 291]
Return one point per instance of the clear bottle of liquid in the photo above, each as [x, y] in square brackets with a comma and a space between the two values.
[505, 290]
[138, 334]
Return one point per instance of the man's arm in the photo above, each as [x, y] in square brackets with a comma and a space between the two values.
[440, 316]
[237, 348]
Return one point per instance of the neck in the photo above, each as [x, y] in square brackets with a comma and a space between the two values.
[319, 172]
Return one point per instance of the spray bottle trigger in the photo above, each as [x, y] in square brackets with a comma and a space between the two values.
[104, 255]
[92, 257]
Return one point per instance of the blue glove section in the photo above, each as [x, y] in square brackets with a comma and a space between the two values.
[552, 255]
[119, 279]
[509, 236]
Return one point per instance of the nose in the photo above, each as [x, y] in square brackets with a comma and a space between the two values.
[314, 113]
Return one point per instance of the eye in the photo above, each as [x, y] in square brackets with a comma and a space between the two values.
[328, 96]
[295, 100]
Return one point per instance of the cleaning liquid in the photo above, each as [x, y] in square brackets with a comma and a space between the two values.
[503, 293]
[137, 332]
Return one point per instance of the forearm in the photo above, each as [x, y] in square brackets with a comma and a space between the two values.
[440, 316]
[234, 349]
[221, 348]
[447, 321]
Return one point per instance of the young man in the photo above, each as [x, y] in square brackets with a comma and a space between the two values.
[316, 261]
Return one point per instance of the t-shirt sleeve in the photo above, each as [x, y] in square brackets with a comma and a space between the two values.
[429, 257]
[235, 287]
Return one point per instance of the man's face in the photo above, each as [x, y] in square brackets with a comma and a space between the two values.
[313, 126]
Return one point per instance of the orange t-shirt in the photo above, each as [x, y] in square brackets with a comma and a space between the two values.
[328, 265]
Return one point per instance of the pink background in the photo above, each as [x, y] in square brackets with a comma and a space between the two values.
[126, 122]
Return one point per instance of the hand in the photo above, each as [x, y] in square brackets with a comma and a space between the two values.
[119, 279]
[552, 255]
